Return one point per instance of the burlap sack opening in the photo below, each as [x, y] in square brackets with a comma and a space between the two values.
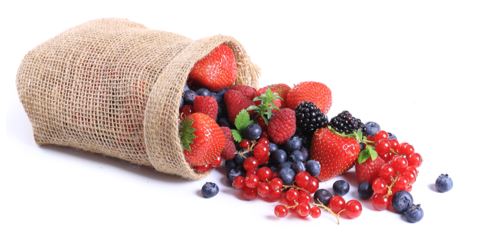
[113, 87]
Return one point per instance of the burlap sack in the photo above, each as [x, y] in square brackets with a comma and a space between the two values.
[113, 87]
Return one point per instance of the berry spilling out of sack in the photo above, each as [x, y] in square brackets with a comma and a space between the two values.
[277, 144]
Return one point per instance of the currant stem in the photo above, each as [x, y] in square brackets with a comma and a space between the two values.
[322, 206]
[294, 187]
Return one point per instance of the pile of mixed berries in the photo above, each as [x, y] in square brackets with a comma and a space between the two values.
[278, 145]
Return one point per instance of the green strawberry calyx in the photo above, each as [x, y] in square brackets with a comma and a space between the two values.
[267, 105]
[187, 133]
[242, 121]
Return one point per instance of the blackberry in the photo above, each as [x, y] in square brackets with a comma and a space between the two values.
[309, 117]
[347, 124]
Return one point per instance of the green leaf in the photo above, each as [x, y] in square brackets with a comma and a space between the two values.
[236, 135]
[187, 133]
[363, 156]
[242, 120]
[252, 108]
[373, 152]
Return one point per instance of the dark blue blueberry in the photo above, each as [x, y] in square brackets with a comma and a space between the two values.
[233, 173]
[209, 189]
[203, 92]
[294, 143]
[304, 151]
[413, 214]
[365, 190]
[444, 183]
[223, 122]
[274, 168]
[372, 128]
[391, 136]
[239, 159]
[287, 175]
[297, 155]
[313, 167]
[272, 147]
[298, 166]
[323, 196]
[362, 146]
[287, 164]
[189, 96]
[230, 164]
[279, 156]
[341, 187]
[219, 95]
[252, 132]
[222, 111]
[401, 201]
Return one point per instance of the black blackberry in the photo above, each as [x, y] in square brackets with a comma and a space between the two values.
[309, 117]
[345, 123]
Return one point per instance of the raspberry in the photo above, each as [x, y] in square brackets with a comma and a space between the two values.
[207, 105]
[282, 126]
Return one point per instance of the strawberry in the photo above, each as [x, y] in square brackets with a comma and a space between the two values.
[335, 153]
[217, 70]
[207, 105]
[235, 101]
[315, 92]
[280, 88]
[282, 125]
[230, 150]
[202, 139]
[248, 91]
[368, 170]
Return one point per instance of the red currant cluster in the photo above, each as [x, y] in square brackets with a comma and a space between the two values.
[398, 173]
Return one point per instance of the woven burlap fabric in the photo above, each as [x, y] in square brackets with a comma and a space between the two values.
[114, 87]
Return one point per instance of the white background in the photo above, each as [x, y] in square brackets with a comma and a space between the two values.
[412, 66]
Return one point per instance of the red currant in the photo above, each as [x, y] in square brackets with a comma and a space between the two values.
[353, 209]
[260, 151]
[281, 211]
[291, 195]
[382, 147]
[399, 163]
[414, 159]
[410, 176]
[249, 193]
[238, 182]
[380, 136]
[379, 202]
[263, 141]
[412, 169]
[336, 204]
[264, 173]
[276, 184]
[302, 179]
[386, 172]
[303, 197]
[185, 111]
[263, 189]
[394, 145]
[315, 212]
[379, 186]
[388, 157]
[400, 184]
[274, 195]
[250, 164]
[251, 181]
[303, 209]
[245, 144]
[312, 185]
[406, 149]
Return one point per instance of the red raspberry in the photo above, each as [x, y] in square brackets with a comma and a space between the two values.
[207, 105]
[282, 126]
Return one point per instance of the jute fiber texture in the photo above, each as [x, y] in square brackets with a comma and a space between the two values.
[114, 87]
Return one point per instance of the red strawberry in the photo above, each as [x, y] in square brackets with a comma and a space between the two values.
[335, 153]
[230, 150]
[217, 70]
[235, 101]
[368, 170]
[282, 126]
[315, 92]
[202, 139]
[280, 88]
[248, 91]
[207, 105]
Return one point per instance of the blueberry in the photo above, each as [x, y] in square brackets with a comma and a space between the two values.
[223, 122]
[365, 190]
[372, 128]
[444, 183]
[279, 156]
[219, 95]
[230, 164]
[204, 92]
[304, 151]
[323, 196]
[287, 175]
[297, 155]
[313, 167]
[239, 159]
[272, 147]
[186, 87]
[298, 166]
[189, 96]
[391, 136]
[413, 214]
[362, 146]
[209, 189]
[287, 164]
[401, 201]
[235, 172]
[341, 187]
[294, 143]
[252, 132]
[222, 111]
